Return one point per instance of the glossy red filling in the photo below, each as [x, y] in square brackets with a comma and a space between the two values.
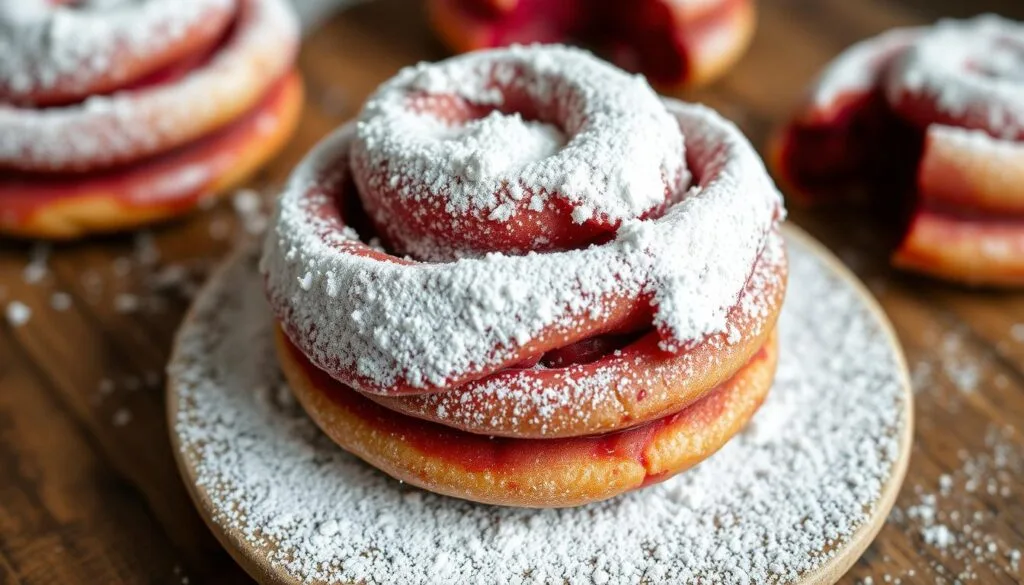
[530, 21]
[649, 37]
[961, 215]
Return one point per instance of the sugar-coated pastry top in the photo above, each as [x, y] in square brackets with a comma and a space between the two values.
[44, 43]
[968, 72]
[111, 128]
[375, 321]
[597, 138]
[857, 68]
[933, 112]
[967, 67]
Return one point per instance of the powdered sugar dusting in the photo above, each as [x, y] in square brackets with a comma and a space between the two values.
[801, 481]
[566, 401]
[969, 67]
[43, 43]
[858, 69]
[424, 323]
[619, 150]
[129, 124]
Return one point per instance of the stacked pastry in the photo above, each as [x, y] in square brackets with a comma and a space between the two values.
[115, 114]
[932, 115]
[674, 43]
[522, 278]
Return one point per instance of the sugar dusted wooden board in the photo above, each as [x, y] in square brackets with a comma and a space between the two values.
[239, 473]
[89, 492]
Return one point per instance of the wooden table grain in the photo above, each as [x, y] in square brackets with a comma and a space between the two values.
[89, 492]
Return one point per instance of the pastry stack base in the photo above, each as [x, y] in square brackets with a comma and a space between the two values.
[70, 206]
[292, 507]
[541, 473]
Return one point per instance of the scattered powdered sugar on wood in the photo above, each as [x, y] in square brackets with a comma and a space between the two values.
[425, 323]
[17, 313]
[800, 481]
[122, 417]
[60, 301]
[37, 269]
[955, 519]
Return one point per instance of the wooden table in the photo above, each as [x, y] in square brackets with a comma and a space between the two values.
[88, 488]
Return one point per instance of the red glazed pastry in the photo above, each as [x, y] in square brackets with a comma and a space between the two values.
[528, 243]
[675, 43]
[113, 118]
[934, 112]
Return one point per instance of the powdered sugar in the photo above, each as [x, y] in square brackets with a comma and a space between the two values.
[619, 150]
[577, 401]
[17, 313]
[858, 69]
[43, 43]
[424, 323]
[761, 510]
[129, 124]
[970, 69]
[956, 520]
[965, 67]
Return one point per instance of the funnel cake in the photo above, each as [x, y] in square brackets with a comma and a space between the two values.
[936, 113]
[675, 43]
[114, 116]
[528, 244]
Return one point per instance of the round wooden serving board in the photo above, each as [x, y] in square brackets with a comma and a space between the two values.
[260, 473]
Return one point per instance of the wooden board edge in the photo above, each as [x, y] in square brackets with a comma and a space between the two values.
[836, 567]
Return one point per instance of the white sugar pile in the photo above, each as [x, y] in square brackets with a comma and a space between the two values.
[801, 481]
